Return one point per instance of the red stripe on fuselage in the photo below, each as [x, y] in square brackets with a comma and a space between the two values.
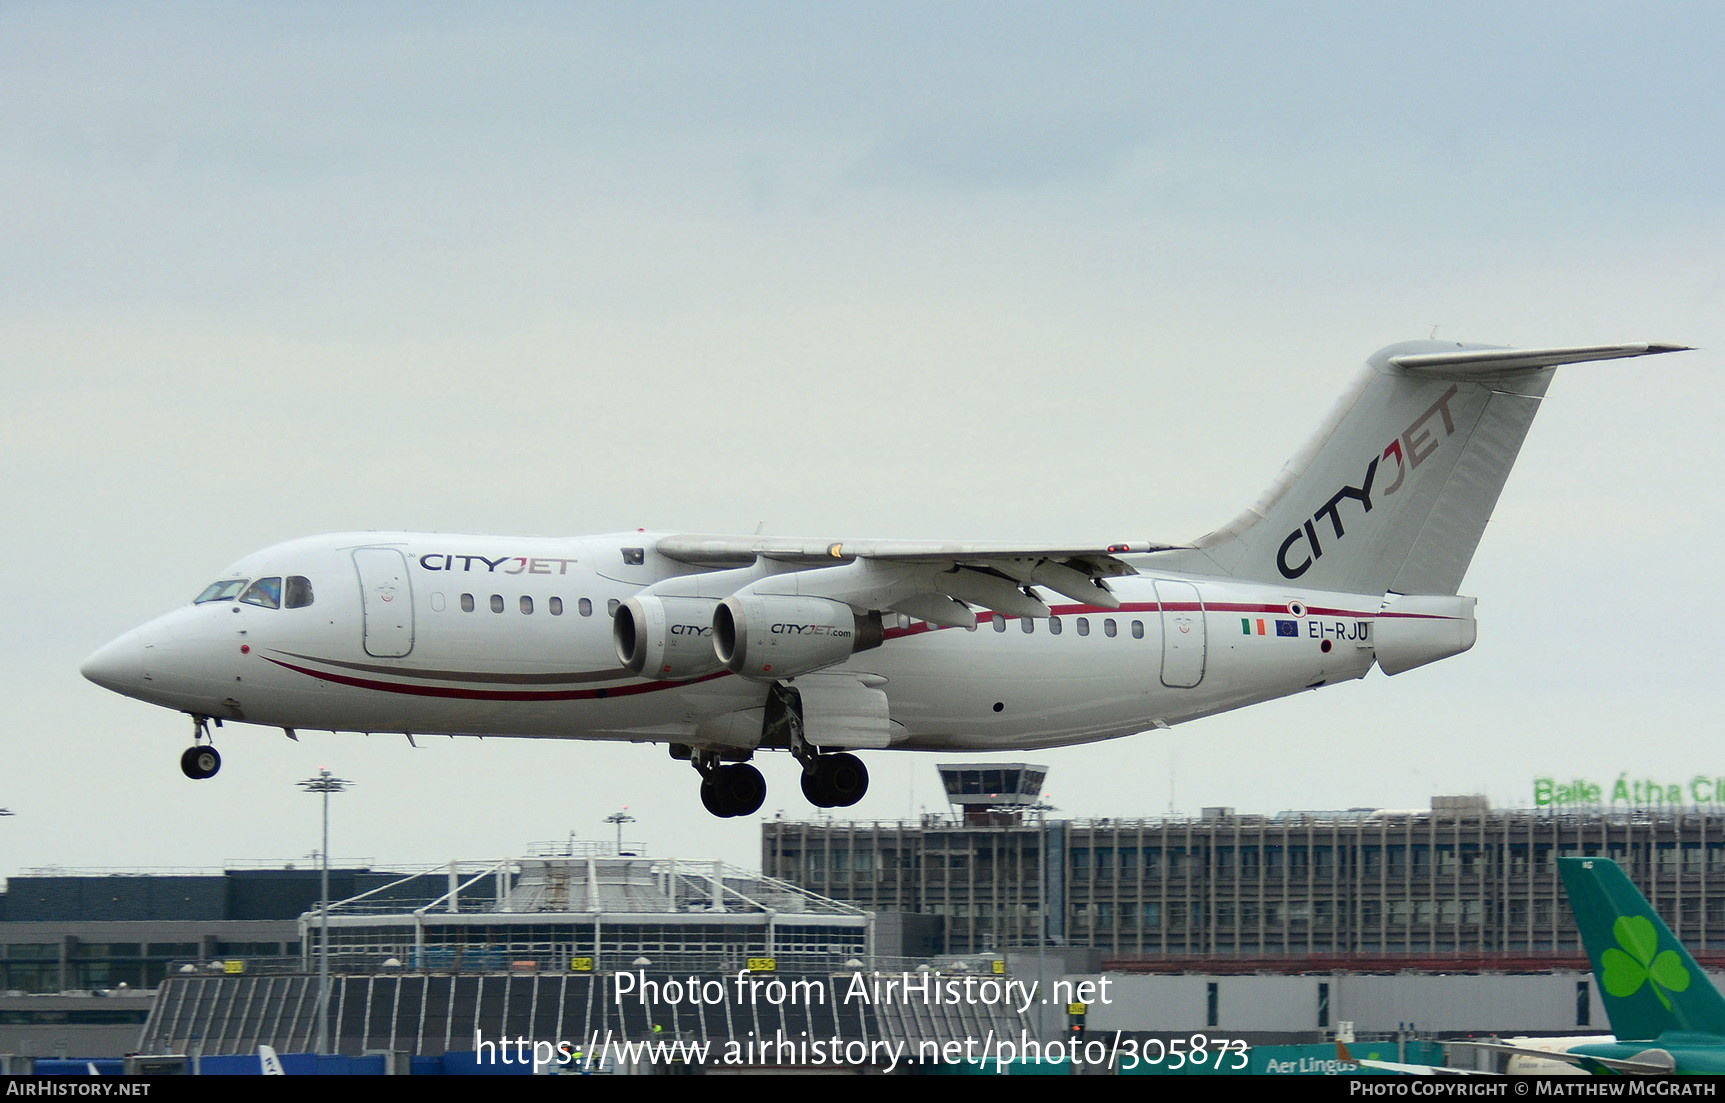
[1172, 607]
[495, 694]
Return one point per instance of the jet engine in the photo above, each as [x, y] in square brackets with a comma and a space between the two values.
[771, 636]
[666, 637]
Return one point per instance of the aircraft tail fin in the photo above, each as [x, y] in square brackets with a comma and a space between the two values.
[1395, 489]
[269, 1062]
[1647, 980]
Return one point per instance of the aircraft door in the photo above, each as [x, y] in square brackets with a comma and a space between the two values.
[386, 601]
[1183, 638]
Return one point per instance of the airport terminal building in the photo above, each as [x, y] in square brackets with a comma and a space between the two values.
[1458, 881]
[1267, 926]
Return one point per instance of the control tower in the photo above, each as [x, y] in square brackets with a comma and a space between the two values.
[994, 794]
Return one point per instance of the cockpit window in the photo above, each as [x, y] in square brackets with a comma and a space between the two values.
[298, 592]
[221, 591]
[266, 592]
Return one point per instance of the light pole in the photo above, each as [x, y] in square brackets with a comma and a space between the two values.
[324, 783]
[620, 818]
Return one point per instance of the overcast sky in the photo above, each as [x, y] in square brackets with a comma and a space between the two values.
[963, 270]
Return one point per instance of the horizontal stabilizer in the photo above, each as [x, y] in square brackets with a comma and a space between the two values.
[1471, 363]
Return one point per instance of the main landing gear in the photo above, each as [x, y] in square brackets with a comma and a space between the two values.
[738, 789]
[729, 791]
[830, 780]
[836, 780]
[200, 759]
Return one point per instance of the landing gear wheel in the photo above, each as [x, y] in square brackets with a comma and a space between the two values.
[732, 791]
[199, 763]
[744, 788]
[711, 799]
[812, 791]
[835, 780]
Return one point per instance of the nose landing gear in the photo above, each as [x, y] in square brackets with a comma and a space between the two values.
[200, 760]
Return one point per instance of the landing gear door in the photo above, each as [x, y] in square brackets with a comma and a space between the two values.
[386, 599]
[1183, 642]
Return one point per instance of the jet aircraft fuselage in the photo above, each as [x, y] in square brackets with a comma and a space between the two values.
[722, 646]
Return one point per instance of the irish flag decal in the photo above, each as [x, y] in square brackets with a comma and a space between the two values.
[1262, 627]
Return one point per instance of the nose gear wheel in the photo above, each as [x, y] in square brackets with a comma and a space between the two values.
[200, 760]
[199, 763]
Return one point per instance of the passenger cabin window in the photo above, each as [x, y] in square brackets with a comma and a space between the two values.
[1137, 629]
[585, 607]
[611, 607]
[1109, 628]
[497, 603]
[298, 594]
[265, 592]
[1083, 626]
[999, 623]
[221, 591]
[467, 603]
[1054, 626]
[556, 606]
[526, 604]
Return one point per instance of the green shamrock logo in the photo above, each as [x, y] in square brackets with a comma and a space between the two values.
[1640, 962]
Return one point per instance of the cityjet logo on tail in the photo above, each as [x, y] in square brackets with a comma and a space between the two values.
[1412, 448]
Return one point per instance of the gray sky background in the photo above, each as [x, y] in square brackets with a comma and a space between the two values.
[973, 271]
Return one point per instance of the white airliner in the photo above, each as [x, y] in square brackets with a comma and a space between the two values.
[722, 646]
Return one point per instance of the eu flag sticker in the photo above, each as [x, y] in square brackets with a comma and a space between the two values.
[1287, 628]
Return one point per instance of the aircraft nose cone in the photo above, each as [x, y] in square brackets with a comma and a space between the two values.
[118, 666]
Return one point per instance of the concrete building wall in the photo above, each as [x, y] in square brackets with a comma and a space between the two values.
[1183, 1003]
[1434, 1003]
[1504, 1004]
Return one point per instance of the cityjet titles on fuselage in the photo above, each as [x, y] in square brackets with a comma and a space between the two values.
[1412, 448]
[810, 630]
[503, 564]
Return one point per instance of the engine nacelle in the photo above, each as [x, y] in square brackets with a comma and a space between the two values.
[771, 636]
[666, 637]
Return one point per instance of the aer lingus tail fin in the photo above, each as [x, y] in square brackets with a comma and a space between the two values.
[1647, 980]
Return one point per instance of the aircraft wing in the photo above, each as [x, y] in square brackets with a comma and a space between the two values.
[1649, 1062]
[1417, 1070]
[738, 551]
[932, 580]
[1344, 1054]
